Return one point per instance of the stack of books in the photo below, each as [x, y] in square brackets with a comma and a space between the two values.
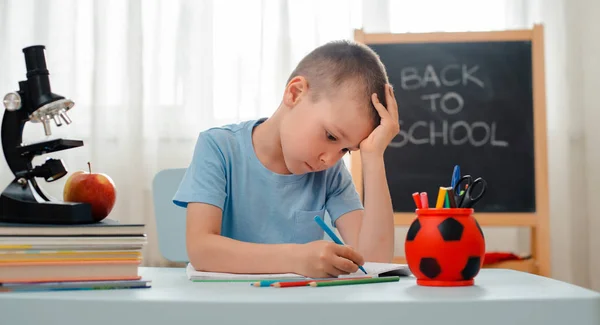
[103, 255]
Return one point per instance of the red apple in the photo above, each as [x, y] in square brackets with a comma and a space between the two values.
[97, 189]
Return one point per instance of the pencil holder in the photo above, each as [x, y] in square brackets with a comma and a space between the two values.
[445, 247]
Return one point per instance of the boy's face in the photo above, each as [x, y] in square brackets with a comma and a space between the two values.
[316, 134]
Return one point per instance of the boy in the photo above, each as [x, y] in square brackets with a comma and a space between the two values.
[253, 188]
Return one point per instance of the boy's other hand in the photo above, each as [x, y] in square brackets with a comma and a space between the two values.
[384, 133]
[324, 259]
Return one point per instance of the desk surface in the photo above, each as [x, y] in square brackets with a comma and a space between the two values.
[498, 297]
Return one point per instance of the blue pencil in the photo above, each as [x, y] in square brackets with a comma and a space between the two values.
[455, 176]
[267, 283]
[331, 234]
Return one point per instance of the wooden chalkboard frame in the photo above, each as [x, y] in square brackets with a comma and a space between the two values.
[537, 221]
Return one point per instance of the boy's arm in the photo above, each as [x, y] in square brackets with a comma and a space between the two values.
[209, 251]
[372, 230]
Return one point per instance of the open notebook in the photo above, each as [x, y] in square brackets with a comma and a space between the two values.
[373, 269]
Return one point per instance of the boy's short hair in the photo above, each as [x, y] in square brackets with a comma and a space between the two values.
[345, 63]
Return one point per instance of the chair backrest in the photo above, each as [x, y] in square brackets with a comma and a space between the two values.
[170, 219]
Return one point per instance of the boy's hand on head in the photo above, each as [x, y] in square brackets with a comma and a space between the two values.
[324, 259]
[384, 133]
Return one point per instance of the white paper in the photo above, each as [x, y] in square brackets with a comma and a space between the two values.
[373, 269]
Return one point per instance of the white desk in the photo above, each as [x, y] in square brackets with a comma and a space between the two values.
[500, 297]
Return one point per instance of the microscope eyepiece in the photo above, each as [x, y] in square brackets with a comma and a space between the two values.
[35, 60]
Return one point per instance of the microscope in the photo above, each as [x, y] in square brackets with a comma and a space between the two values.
[23, 200]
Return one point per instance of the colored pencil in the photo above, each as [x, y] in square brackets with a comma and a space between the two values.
[307, 282]
[451, 197]
[332, 235]
[440, 199]
[455, 176]
[424, 201]
[267, 283]
[352, 282]
[417, 200]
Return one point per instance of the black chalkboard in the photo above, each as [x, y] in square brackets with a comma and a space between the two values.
[469, 104]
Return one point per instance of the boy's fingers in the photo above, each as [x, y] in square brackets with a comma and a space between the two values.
[392, 104]
[375, 99]
[379, 107]
[394, 112]
[333, 271]
[351, 254]
[344, 265]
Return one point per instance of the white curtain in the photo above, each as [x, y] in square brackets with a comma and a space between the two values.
[572, 83]
[147, 76]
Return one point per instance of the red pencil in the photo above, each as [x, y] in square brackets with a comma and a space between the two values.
[424, 200]
[417, 200]
[304, 283]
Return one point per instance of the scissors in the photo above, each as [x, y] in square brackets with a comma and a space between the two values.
[467, 199]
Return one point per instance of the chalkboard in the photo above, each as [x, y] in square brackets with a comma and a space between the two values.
[465, 103]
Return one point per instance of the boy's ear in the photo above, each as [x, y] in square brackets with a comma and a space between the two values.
[295, 90]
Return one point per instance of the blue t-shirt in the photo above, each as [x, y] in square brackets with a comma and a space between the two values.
[258, 205]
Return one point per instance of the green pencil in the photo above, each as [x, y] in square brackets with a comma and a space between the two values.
[356, 281]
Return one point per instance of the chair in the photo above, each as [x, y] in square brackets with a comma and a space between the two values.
[170, 219]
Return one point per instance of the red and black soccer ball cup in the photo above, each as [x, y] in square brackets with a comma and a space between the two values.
[445, 247]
